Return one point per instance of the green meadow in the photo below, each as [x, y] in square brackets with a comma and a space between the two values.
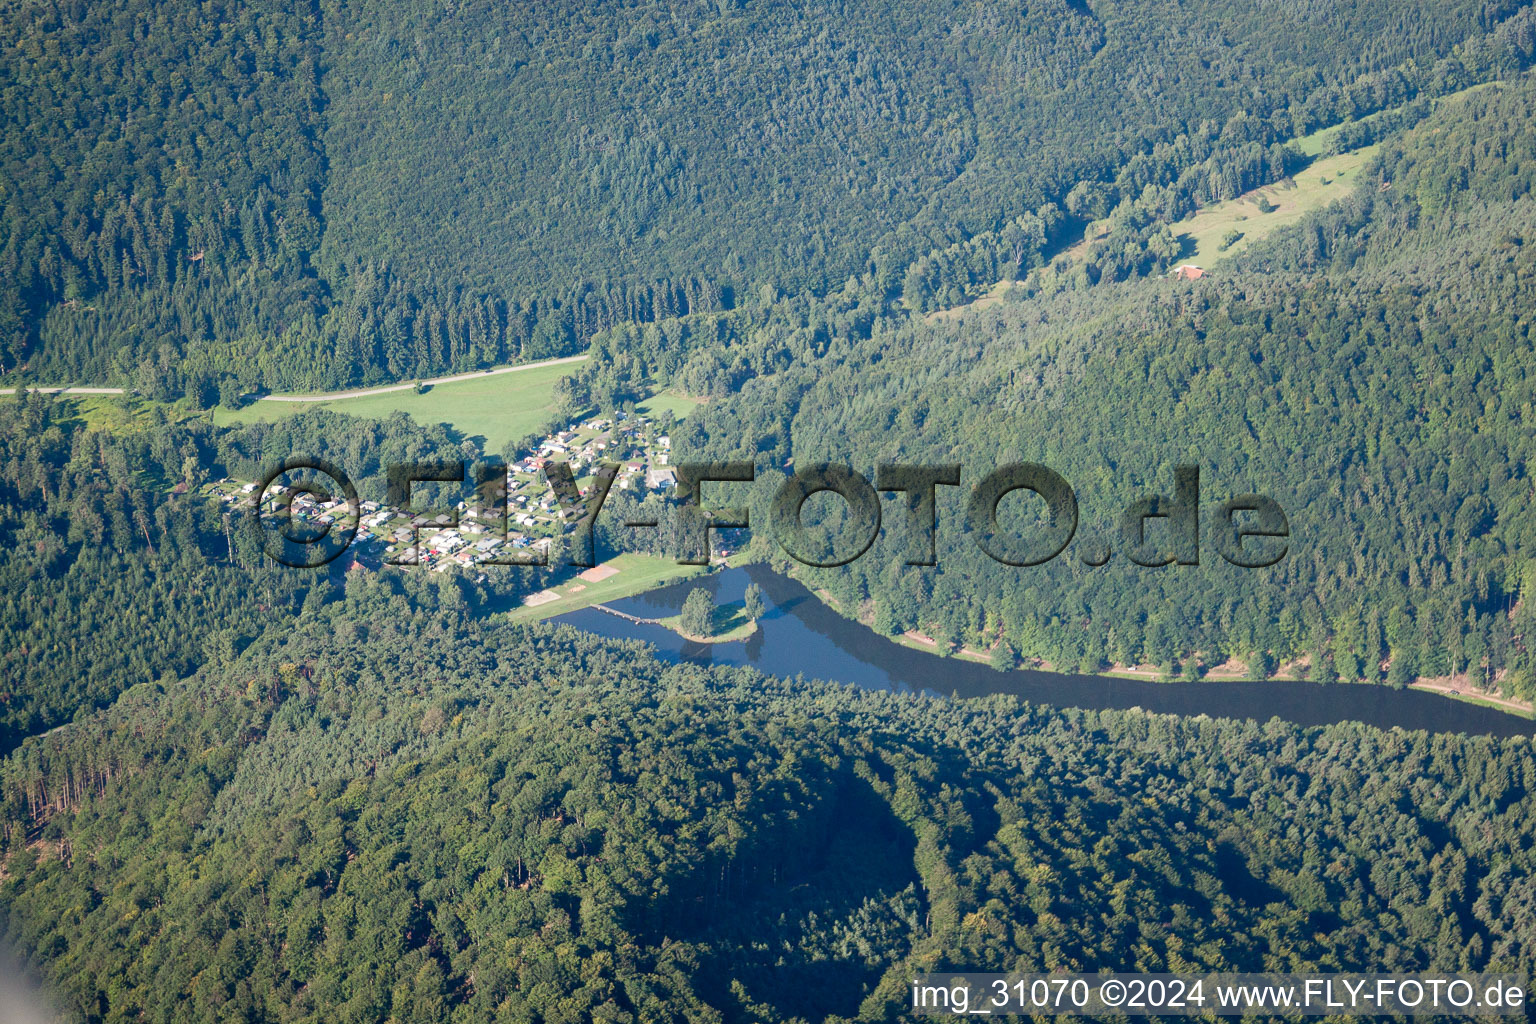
[636, 574]
[1323, 182]
[497, 408]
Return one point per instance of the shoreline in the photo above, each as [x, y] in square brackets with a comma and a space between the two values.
[1446, 688]
[1438, 685]
[714, 640]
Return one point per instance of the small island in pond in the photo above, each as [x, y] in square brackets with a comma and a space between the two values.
[703, 621]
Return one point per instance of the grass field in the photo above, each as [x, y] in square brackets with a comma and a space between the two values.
[121, 414]
[637, 574]
[679, 405]
[991, 297]
[499, 409]
[1324, 182]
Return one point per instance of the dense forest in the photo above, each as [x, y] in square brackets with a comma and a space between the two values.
[1390, 428]
[118, 569]
[1378, 349]
[236, 196]
[236, 791]
[1368, 369]
[393, 810]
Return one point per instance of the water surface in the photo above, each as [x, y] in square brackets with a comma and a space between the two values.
[800, 635]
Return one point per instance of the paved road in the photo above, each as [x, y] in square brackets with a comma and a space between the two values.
[68, 391]
[335, 395]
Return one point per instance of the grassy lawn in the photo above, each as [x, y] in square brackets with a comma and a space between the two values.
[1327, 179]
[1320, 184]
[680, 405]
[637, 574]
[497, 408]
[1312, 189]
[116, 414]
[1315, 143]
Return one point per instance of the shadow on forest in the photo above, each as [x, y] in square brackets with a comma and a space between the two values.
[778, 939]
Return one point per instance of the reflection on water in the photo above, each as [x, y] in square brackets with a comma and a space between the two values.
[799, 635]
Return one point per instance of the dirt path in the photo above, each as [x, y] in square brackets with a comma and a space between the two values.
[1448, 690]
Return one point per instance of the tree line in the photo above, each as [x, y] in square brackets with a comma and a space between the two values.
[392, 808]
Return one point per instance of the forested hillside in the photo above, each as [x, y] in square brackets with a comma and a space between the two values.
[239, 195]
[117, 569]
[235, 791]
[396, 812]
[1369, 370]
